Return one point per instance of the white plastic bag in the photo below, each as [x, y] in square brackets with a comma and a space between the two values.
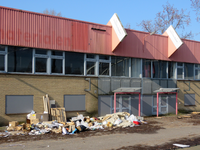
[118, 121]
[64, 131]
[132, 118]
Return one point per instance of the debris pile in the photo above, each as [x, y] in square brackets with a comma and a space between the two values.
[76, 124]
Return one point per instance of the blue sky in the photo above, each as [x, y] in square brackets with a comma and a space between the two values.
[129, 11]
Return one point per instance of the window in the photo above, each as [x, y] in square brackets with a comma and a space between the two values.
[171, 70]
[146, 68]
[120, 66]
[19, 59]
[189, 99]
[197, 71]
[57, 59]
[91, 64]
[104, 65]
[135, 67]
[103, 68]
[74, 102]
[41, 58]
[56, 65]
[159, 69]
[180, 71]
[74, 63]
[189, 71]
[17, 104]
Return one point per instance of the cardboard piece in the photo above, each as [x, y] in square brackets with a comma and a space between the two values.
[34, 121]
[42, 117]
[13, 123]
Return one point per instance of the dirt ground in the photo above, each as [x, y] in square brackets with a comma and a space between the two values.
[155, 128]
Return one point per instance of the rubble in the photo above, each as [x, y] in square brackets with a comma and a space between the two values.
[76, 124]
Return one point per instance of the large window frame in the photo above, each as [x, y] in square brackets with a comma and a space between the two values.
[96, 60]
[42, 56]
[105, 61]
[57, 57]
[88, 60]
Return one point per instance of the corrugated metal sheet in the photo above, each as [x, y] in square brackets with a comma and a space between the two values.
[23, 28]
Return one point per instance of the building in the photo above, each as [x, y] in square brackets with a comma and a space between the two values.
[79, 65]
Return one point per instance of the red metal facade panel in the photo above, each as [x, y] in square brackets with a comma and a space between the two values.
[22, 28]
[188, 52]
[150, 47]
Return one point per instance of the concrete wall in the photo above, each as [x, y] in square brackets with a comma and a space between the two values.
[55, 86]
[188, 87]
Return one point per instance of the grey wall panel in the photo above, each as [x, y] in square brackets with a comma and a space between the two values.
[146, 86]
[163, 83]
[16, 104]
[104, 105]
[155, 85]
[104, 85]
[147, 105]
[189, 99]
[134, 105]
[74, 102]
[125, 82]
[172, 84]
[172, 103]
[115, 83]
[135, 82]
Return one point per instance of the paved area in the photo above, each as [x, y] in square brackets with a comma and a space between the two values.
[112, 141]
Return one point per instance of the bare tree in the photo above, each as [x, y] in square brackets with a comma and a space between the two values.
[196, 6]
[169, 16]
[128, 26]
[52, 12]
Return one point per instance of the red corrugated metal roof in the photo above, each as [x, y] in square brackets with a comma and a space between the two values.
[28, 29]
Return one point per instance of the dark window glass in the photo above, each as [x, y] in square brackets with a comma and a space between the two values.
[159, 69]
[90, 68]
[171, 69]
[179, 73]
[135, 67]
[56, 65]
[119, 66]
[90, 56]
[189, 71]
[103, 68]
[74, 63]
[19, 59]
[41, 65]
[57, 53]
[146, 68]
[2, 48]
[197, 65]
[104, 57]
[180, 64]
[41, 51]
[2, 60]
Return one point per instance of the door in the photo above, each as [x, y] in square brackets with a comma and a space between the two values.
[162, 104]
[123, 103]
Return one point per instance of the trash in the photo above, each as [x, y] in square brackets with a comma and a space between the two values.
[118, 121]
[181, 145]
[77, 124]
[64, 131]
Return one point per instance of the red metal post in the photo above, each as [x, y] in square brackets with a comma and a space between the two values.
[139, 105]
[157, 103]
[176, 103]
[115, 102]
